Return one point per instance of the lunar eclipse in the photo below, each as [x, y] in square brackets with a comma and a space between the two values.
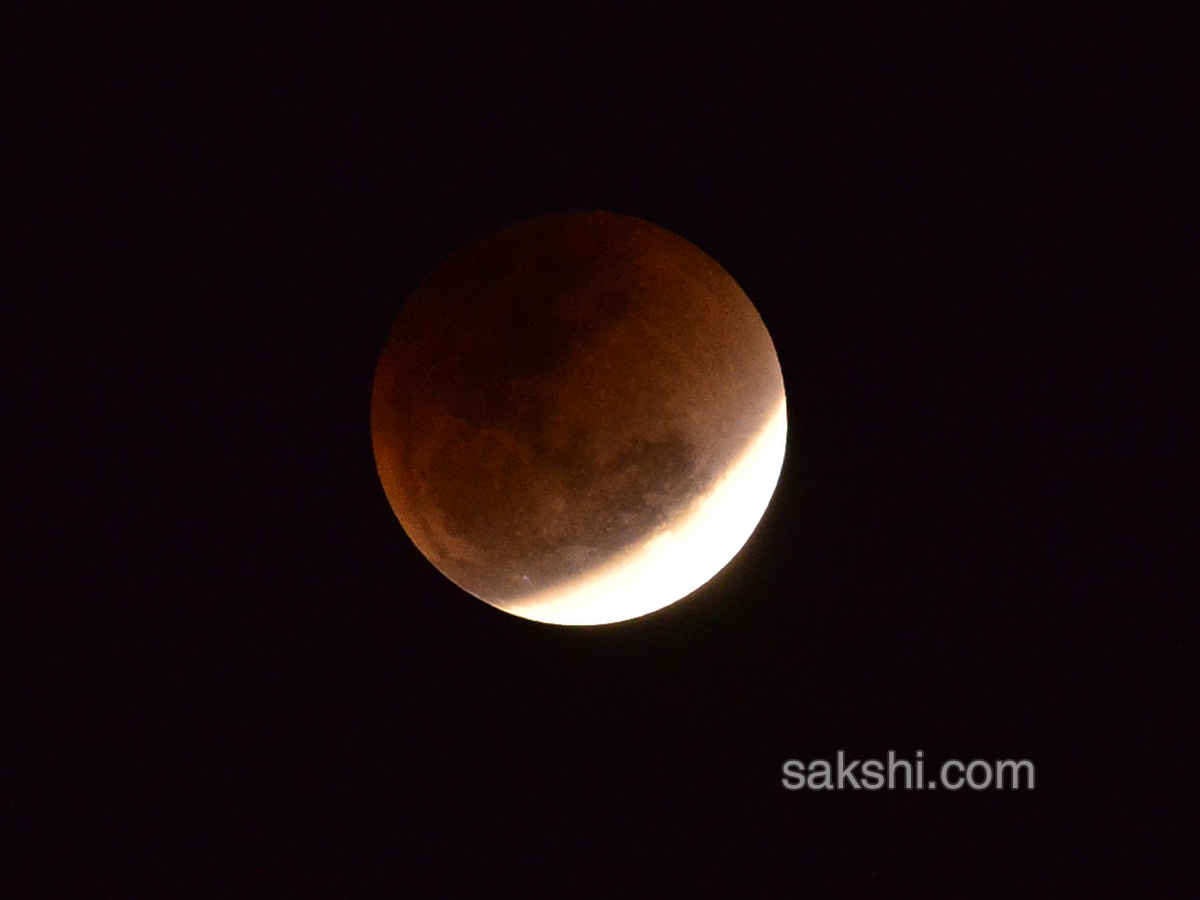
[579, 419]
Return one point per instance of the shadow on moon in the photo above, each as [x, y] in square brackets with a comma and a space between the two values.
[558, 397]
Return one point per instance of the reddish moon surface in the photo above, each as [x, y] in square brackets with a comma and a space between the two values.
[579, 419]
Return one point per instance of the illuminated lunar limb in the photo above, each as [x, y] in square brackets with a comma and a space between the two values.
[680, 558]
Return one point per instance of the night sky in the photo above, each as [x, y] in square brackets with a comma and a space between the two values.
[973, 241]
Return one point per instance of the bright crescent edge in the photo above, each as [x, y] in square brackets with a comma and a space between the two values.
[682, 556]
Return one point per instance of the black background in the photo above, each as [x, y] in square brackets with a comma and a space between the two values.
[974, 241]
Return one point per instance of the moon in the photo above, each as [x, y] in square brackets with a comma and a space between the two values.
[579, 419]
